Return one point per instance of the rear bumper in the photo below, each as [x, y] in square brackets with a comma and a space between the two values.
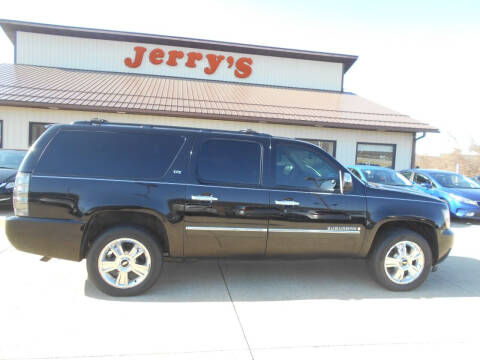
[48, 237]
[445, 244]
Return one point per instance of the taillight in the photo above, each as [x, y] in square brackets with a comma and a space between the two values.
[20, 194]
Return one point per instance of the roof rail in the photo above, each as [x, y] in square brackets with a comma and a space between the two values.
[94, 121]
[97, 121]
[249, 131]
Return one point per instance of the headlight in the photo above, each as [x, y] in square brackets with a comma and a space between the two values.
[463, 200]
[10, 185]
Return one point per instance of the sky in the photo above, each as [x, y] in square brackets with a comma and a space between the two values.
[420, 58]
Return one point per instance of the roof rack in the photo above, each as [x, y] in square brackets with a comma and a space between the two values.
[249, 131]
[94, 121]
[99, 122]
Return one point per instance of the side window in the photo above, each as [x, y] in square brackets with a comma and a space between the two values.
[110, 154]
[407, 174]
[229, 162]
[355, 172]
[298, 166]
[421, 179]
[330, 146]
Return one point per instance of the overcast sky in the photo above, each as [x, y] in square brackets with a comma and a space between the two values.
[421, 58]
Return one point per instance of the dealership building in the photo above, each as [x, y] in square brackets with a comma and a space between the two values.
[64, 74]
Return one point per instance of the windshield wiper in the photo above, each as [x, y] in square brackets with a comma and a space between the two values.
[4, 167]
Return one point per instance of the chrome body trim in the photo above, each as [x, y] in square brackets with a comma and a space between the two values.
[204, 198]
[224, 228]
[314, 231]
[287, 202]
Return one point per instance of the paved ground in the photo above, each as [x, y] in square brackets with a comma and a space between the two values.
[241, 310]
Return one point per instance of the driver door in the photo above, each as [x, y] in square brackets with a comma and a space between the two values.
[310, 213]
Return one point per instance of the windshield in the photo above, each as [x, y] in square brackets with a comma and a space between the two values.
[11, 159]
[385, 176]
[452, 180]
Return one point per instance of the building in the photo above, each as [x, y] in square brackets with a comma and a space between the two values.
[63, 74]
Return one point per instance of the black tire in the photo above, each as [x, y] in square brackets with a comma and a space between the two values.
[126, 232]
[386, 241]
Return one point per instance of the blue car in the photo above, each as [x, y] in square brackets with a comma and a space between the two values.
[384, 176]
[461, 193]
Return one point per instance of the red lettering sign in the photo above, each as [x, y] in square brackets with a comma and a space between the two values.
[242, 70]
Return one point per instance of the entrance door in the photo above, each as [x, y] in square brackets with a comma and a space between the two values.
[226, 211]
[311, 215]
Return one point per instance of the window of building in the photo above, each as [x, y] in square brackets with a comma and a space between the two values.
[229, 162]
[298, 166]
[330, 146]
[109, 154]
[1, 133]
[36, 129]
[376, 154]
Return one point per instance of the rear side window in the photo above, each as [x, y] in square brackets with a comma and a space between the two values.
[109, 154]
[229, 162]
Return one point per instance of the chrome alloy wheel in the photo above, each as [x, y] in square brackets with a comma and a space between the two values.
[404, 262]
[124, 263]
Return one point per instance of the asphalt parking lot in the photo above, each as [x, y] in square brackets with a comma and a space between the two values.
[308, 309]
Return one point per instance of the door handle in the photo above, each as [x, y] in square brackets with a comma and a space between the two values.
[204, 198]
[287, 202]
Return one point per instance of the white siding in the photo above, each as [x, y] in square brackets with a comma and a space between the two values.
[107, 55]
[16, 120]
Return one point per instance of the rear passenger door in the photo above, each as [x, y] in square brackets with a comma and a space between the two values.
[226, 207]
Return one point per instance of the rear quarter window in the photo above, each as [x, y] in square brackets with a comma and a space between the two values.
[110, 154]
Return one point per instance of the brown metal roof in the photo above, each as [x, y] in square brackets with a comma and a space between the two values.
[12, 26]
[35, 86]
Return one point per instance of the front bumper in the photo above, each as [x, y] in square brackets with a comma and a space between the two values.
[445, 244]
[48, 237]
[464, 211]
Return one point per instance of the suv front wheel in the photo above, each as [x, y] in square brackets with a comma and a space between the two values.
[401, 260]
[124, 261]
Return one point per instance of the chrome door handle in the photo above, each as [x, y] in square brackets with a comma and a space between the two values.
[204, 198]
[287, 202]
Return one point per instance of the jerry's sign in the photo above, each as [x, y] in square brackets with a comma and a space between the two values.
[242, 69]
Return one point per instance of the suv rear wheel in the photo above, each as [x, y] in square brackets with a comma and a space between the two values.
[124, 261]
[401, 260]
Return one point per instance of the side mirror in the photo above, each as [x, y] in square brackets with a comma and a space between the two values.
[347, 183]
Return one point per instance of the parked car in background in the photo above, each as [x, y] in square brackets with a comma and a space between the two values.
[10, 161]
[476, 179]
[461, 193]
[384, 176]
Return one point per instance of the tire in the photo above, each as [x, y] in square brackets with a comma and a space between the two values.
[400, 272]
[131, 260]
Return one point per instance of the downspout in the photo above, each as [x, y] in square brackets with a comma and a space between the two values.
[414, 147]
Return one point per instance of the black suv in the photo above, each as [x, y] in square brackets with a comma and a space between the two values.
[125, 196]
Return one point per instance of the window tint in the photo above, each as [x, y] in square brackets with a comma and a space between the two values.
[302, 167]
[355, 172]
[328, 145]
[110, 154]
[229, 162]
[421, 179]
[407, 174]
[376, 154]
